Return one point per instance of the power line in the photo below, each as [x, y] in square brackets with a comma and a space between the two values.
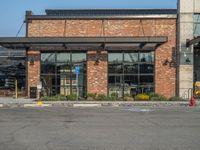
[20, 28]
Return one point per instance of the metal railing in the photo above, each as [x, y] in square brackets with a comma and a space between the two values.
[188, 94]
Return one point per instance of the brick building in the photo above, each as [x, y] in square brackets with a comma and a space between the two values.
[118, 51]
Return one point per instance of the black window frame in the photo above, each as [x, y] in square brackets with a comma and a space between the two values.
[132, 74]
[70, 63]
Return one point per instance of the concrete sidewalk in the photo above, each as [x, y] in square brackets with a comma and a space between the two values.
[10, 100]
[24, 102]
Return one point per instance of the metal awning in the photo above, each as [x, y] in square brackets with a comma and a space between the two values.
[195, 41]
[83, 43]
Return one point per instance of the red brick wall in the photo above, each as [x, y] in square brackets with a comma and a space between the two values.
[33, 70]
[97, 73]
[11, 93]
[165, 76]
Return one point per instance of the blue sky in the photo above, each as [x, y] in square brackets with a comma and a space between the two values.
[12, 11]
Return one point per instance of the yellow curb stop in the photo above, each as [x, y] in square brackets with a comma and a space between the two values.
[39, 102]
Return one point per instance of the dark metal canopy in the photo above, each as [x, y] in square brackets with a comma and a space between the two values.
[107, 12]
[193, 41]
[102, 13]
[83, 43]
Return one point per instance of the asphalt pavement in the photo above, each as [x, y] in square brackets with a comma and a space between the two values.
[131, 128]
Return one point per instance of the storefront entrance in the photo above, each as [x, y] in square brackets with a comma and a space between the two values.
[58, 73]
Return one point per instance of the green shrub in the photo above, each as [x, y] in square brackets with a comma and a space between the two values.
[101, 97]
[142, 97]
[152, 94]
[44, 98]
[91, 96]
[72, 97]
[127, 95]
[61, 97]
[176, 98]
[113, 96]
[159, 98]
[116, 95]
[110, 98]
[54, 98]
[128, 98]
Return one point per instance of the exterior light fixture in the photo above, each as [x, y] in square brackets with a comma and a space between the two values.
[97, 57]
[166, 62]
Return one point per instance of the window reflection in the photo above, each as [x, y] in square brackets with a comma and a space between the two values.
[63, 68]
[146, 57]
[131, 57]
[146, 68]
[58, 73]
[48, 57]
[48, 82]
[116, 84]
[131, 73]
[197, 25]
[146, 79]
[115, 57]
[48, 68]
[11, 69]
[130, 68]
[115, 68]
[63, 57]
[78, 57]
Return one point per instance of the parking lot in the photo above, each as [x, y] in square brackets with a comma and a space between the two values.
[104, 128]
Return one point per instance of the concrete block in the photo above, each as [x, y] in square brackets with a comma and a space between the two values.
[186, 6]
[197, 6]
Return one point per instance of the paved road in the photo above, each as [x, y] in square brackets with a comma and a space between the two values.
[99, 129]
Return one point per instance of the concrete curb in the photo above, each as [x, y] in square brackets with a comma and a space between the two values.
[117, 104]
[37, 105]
[97, 104]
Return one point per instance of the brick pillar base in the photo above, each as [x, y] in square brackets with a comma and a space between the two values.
[97, 72]
[33, 69]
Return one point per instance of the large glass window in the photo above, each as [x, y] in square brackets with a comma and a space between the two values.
[131, 73]
[12, 67]
[58, 73]
[197, 25]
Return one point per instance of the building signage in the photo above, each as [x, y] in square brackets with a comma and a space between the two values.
[77, 70]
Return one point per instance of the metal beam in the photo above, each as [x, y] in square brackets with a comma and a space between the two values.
[84, 42]
[59, 40]
[193, 41]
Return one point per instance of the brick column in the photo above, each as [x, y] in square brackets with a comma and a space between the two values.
[33, 69]
[97, 73]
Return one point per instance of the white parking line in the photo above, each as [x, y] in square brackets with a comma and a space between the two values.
[87, 105]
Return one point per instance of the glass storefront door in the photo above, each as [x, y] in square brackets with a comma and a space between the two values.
[58, 73]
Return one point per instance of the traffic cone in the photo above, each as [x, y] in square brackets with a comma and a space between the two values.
[192, 101]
